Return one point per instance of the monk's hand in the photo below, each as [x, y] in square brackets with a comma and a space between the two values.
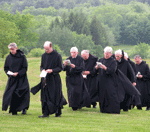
[72, 65]
[96, 67]
[134, 84]
[49, 70]
[65, 63]
[86, 72]
[15, 74]
[103, 67]
[140, 76]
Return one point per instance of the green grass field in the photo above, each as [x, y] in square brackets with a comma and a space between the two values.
[84, 120]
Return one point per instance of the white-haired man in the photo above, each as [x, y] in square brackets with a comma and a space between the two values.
[107, 88]
[77, 93]
[17, 90]
[90, 76]
[143, 81]
[127, 69]
[51, 88]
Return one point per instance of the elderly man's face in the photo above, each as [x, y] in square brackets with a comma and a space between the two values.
[107, 55]
[48, 49]
[13, 50]
[118, 57]
[74, 54]
[138, 60]
[85, 56]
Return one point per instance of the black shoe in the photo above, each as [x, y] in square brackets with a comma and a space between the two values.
[43, 116]
[24, 112]
[57, 115]
[14, 113]
[125, 109]
[94, 106]
[147, 108]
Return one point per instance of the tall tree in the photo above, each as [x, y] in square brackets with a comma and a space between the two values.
[98, 33]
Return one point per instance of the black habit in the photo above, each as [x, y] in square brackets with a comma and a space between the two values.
[78, 95]
[90, 80]
[125, 67]
[143, 83]
[17, 90]
[51, 95]
[107, 87]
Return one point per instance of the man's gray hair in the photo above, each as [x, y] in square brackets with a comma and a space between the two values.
[12, 45]
[48, 44]
[85, 51]
[137, 56]
[108, 49]
[74, 49]
[118, 52]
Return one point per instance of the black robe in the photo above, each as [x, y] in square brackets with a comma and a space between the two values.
[133, 65]
[125, 67]
[17, 90]
[78, 95]
[90, 80]
[143, 83]
[107, 87]
[51, 94]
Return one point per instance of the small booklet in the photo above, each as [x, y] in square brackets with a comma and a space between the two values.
[84, 76]
[10, 73]
[43, 73]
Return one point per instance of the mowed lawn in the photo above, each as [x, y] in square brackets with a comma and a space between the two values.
[84, 120]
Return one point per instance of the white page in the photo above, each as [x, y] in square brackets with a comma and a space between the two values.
[10, 73]
[43, 74]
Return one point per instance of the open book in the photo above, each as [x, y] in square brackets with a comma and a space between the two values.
[10, 73]
[43, 73]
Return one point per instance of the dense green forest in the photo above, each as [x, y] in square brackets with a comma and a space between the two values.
[87, 24]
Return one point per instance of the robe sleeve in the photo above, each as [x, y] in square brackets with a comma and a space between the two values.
[6, 66]
[78, 69]
[147, 75]
[131, 73]
[93, 71]
[23, 70]
[112, 69]
[59, 66]
[41, 67]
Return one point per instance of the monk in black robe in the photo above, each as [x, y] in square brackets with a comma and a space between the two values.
[90, 76]
[127, 69]
[78, 96]
[51, 88]
[17, 90]
[107, 86]
[143, 79]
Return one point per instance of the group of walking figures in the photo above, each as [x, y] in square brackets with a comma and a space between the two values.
[114, 81]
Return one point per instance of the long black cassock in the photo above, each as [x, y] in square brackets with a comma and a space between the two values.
[51, 94]
[125, 67]
[107, 87]
[144, 83]
[17, 90]
[90, 80]
[78, 95]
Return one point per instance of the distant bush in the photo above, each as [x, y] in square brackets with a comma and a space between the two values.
[141, 49]
[36, 52]
[24, 49]
[56, 47]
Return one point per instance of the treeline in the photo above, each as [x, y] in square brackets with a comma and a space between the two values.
[86, 26]
[69, 4]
